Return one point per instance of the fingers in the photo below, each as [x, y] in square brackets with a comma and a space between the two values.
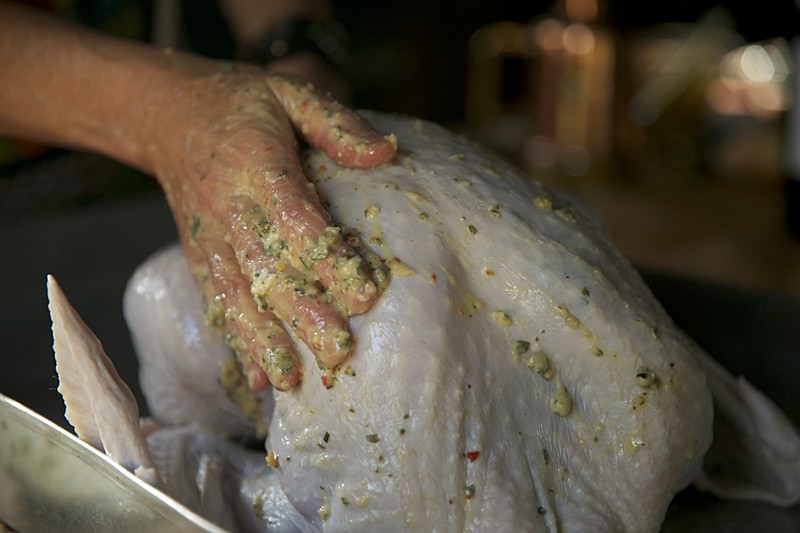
[313, 243]
[256, 334]
[342, 133]
[292, 294]
[263, 347]
[266, 252]
[292, 204]
[319, 247]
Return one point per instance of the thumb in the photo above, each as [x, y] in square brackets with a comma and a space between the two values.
[340, 132]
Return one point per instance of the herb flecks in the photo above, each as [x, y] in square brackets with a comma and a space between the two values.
[416, 197]
[234, 383]
[502, 318]
[520, 348]
[561, 402]
[399, 268]
[195, 226]
[645, 378]
[567, 214]
[272, 460]
[570, 320]
[371, 211]
[543, 202]
[324, 510]
[539, 362]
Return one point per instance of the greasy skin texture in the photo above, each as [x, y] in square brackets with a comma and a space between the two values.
[253, 228]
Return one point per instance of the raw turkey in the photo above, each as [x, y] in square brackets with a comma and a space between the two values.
[516, 375]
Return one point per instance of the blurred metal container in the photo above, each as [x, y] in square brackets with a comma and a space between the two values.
[664, 104]
[561, 121]
[52, 481]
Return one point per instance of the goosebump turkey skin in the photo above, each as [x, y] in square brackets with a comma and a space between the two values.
[516, 375]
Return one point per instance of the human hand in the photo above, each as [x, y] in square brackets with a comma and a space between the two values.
[252, 226]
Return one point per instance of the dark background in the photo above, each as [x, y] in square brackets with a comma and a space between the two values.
[410, 57]
[90, 221]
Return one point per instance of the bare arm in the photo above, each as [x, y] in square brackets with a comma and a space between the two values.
[70, 86]
[220, 139]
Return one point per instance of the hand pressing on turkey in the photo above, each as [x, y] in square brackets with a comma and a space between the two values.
[255, 233]
[220, 138]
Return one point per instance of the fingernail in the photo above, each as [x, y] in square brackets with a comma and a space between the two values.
[341, 344]
[256, 378]
[281, 367]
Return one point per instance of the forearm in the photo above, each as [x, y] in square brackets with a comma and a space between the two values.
[70, 86]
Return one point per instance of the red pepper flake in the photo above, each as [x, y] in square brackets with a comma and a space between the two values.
[433, 277]
[323, 168]
[460, 311]
[328, 380]
[489, 272]
[473, 455]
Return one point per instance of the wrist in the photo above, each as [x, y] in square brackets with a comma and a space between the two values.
[324, 38]
[173, 92]
[140, 92]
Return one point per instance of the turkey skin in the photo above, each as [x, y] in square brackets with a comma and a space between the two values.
[516, 374]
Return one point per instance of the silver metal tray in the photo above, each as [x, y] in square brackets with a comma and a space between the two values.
[52, 481]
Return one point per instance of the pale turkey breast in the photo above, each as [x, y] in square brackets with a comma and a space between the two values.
[517, 375]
